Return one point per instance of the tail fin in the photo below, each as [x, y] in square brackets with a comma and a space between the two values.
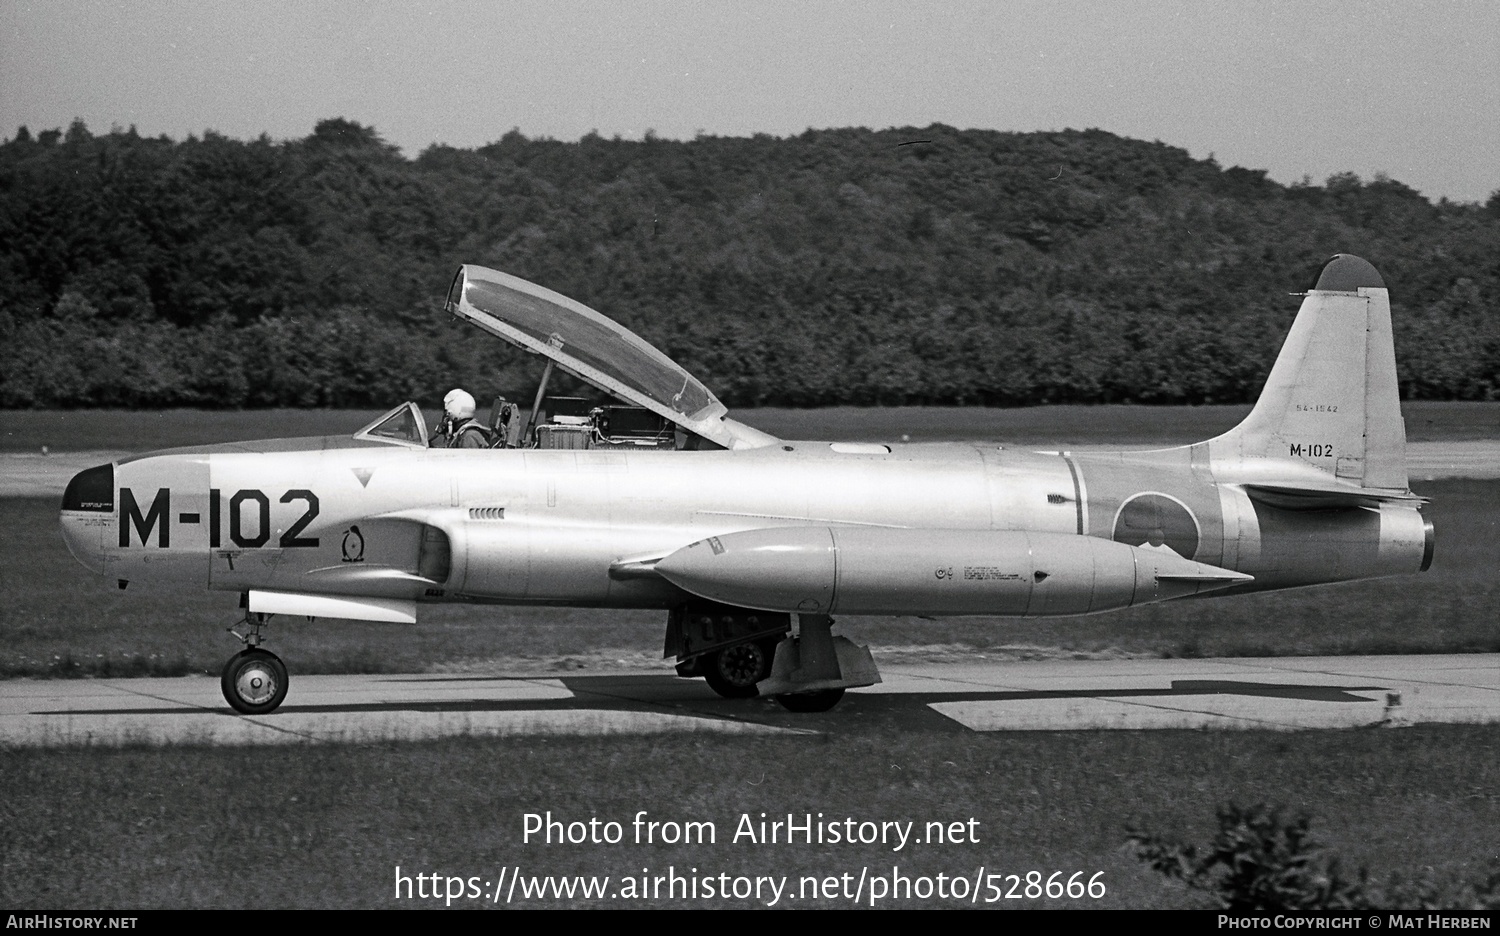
[1331, 400]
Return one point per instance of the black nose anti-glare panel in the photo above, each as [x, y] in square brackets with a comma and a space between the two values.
[92, 490]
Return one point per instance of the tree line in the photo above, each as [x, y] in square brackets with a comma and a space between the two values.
[849, 266]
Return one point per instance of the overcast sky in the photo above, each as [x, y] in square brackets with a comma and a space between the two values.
[1411, 89]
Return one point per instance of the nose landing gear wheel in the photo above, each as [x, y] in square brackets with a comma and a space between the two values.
[734, 671]
[254, 682]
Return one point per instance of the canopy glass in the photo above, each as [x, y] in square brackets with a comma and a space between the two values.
[588, 344]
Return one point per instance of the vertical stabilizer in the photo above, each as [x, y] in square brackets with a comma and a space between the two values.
[1331, 400]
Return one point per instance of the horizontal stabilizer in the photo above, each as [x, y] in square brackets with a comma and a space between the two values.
[1312, 495]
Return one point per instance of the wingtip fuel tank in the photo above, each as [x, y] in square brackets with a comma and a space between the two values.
[871, 570]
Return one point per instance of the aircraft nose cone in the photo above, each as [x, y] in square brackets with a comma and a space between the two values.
[88, 508]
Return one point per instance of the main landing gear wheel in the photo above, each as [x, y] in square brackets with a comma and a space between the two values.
[734, 671]
[820, 701]
[254, 681]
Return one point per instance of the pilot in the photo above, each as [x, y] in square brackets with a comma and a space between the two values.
[459, 428]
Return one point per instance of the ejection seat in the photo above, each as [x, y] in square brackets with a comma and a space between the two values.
[504, 424]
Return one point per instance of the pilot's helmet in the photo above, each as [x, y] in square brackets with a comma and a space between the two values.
[458, 404]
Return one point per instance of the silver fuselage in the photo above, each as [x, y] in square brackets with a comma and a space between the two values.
[563, 527]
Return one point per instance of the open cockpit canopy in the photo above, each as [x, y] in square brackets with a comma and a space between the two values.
[594, 348]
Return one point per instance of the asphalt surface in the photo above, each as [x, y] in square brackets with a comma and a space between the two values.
[1278, 694]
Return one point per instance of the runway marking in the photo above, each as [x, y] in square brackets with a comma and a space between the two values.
[332, 709]
[197, 708]
[1207, 693]
[1424, 682]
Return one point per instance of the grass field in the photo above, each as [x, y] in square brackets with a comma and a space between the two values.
[118, 430]
[326, 826]
[60, 621]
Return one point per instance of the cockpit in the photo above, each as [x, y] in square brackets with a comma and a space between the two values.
[562, 422]
[653, 401]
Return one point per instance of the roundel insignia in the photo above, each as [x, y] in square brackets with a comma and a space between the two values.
[1157, 520]
[354, 545]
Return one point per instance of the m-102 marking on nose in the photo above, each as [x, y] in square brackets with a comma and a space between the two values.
[157, 518]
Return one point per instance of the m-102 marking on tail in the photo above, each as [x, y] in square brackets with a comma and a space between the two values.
[1321, 450]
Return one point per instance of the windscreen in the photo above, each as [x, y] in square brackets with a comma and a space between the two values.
[402, 424]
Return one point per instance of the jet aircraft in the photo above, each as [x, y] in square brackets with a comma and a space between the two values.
[651, 496]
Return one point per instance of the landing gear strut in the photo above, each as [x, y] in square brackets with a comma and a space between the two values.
[813, 668]
[254, 681]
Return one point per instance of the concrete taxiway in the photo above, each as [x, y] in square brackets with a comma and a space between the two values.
[1282, 694]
